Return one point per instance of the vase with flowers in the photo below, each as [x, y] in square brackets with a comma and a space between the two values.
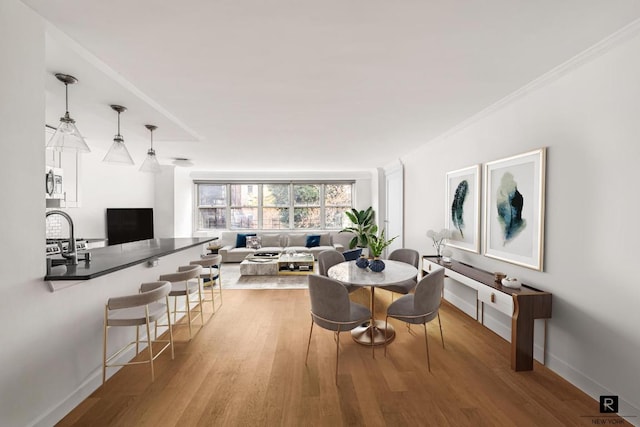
[377, 244]
[439, 239]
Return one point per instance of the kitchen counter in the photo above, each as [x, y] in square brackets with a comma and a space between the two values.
[117, 257]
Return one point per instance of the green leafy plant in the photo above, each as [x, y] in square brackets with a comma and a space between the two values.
[378, 243]
[362, 225]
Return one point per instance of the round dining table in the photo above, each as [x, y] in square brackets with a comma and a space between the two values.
[373, 332]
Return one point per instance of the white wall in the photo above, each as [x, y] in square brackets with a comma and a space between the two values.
[587, 116]
[106, 185]
[51, 342]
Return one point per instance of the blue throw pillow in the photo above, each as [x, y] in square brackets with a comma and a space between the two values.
[313, 240]
[241, 239]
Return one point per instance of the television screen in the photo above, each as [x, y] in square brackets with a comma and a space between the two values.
[129, 225]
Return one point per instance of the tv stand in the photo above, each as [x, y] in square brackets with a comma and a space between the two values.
[524, 305]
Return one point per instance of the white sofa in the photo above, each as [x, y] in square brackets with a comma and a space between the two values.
[280, 241]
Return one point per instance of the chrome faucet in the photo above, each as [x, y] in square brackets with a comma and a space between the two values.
[71, 256]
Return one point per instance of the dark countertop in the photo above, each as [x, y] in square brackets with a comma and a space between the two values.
[117, 257]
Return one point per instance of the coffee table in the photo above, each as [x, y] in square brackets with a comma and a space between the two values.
[298, 263]
[257, 266]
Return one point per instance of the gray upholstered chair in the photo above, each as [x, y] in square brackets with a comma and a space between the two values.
[420, 307]
[210, 276]
[329, 258]
[183, 285]
[331, 309]
[408, 256]
[151, 304]
[352, 254]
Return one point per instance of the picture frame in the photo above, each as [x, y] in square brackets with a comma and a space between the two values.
[462, 216]
[514, 204]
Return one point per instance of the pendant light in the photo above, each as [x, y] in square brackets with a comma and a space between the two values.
[151, 164]
[67, 137]
[118, 152]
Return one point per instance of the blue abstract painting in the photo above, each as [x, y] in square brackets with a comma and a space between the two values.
[509, 203]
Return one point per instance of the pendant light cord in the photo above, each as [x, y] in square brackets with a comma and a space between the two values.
[66, 98]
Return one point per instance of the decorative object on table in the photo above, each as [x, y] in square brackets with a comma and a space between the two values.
[362, 227]
[439, 239]
[511, 282]
[463, 208]
[362, 262]
[377, 244]
[446, 255]
[514, 209]
[499, 276]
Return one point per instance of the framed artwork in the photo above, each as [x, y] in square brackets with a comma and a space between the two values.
[462, 214]
[514, 209]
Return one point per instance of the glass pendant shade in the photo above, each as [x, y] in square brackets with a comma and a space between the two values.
[118, 152]
[150, 163]
[67, 136]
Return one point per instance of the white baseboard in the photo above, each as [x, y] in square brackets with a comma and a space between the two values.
[593, 389]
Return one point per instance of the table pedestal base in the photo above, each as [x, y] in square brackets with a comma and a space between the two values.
[362, 334]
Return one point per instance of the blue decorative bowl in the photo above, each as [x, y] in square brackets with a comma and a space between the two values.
[362, 262]
[376, 265]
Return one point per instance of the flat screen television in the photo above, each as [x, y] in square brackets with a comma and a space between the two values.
[129, 225]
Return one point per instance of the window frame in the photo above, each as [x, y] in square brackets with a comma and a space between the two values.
[260, 185]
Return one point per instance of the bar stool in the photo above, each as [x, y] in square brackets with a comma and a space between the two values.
[210, 276]
[151, 304]
[182, 285]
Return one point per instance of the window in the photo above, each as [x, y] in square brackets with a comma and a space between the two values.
[306, 210]
[272, 206]
[244, 206]
[337, 200]
[212, 206]
[276, 203]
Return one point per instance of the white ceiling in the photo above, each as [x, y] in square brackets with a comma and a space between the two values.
[299, 84]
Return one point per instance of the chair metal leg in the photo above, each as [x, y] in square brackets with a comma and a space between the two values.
[169, 327]
[440, 323]
[309, 342]
[149, 342]
[426, 342]
[213, 304]
[137, 339]
[175, 309]
[188, 313]
[201, 308]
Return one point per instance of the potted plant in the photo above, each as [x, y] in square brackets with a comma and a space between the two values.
[362, 224]
[377, 244]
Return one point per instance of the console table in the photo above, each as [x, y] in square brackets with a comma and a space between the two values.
[524, 305]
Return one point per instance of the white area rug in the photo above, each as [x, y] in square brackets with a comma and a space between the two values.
[231, 279]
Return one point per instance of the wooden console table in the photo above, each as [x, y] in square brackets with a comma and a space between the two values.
[524, 305]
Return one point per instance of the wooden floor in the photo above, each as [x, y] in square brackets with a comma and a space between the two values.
[246, 368]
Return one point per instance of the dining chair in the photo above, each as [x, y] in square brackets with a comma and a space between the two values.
[352, 254]
[210, 276]
[420, 307]
[408, 256]
[182, 285]
[151, 304]
[329, 258]
[332, 309]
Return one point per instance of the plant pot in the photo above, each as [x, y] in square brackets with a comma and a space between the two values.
[362, 262]
[376, 265]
